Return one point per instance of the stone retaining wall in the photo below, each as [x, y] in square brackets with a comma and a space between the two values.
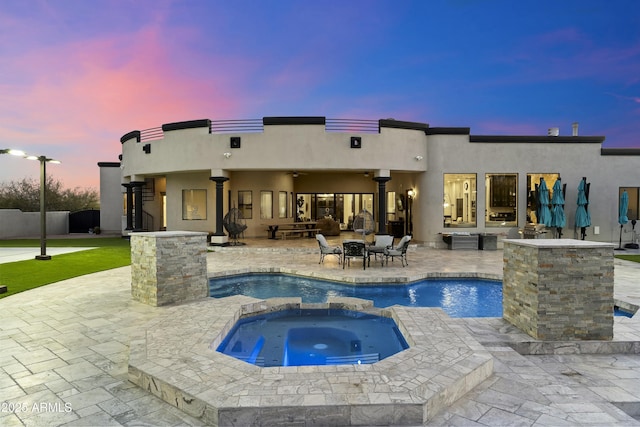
[168, 267]
[559, 289]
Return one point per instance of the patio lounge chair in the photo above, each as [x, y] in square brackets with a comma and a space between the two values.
[380, 243]
[354, 250]
[399, 251]
[325, 249]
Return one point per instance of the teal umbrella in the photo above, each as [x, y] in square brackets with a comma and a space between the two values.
[583, 217]
[544, 217]
[558, 218]
[622, 213]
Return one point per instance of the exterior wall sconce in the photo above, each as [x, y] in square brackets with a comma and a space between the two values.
[227, 155]
[146, 148]
[235, 142]
[356, 142]
[418, 158]
[411, 193]
[366, 174]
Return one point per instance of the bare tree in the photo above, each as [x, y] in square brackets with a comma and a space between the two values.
[25, 195]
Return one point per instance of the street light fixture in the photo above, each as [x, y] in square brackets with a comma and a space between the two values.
[43, 210]
[13, 152]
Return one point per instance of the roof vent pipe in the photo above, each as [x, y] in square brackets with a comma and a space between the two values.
[574, 126]
[553, 132]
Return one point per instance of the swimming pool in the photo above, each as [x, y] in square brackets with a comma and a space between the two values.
[458, 297]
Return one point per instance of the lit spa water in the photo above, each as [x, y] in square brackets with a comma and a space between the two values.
[457, 297]
[313, 337]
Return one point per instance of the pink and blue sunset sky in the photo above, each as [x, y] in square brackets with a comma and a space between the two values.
[76, 75]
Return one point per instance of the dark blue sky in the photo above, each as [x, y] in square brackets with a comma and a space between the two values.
[76, 75]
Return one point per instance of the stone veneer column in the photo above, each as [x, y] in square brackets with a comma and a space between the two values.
[168, 267]
[559, 289]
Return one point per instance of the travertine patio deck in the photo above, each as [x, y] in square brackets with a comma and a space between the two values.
[68, 343]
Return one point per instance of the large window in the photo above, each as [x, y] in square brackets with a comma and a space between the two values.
[194, 204]
[459, 200]
[533, 181]
[342, 207]
[501, 200]
[266, 204]
[245, 204]
[282, 204]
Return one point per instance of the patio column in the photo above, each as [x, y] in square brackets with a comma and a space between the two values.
[137, 200]
[382, 202]
[219, 237]
[129, 206]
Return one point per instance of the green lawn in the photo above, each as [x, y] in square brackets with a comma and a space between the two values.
[24, 275]
[634, 258]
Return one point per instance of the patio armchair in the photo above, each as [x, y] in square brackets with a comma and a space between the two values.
[380, 243]
[399, 251]
[354, 249]
[325, 249]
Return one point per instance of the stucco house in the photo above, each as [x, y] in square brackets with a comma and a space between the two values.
[414, 178]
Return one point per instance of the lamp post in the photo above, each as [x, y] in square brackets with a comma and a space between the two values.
[43, 209]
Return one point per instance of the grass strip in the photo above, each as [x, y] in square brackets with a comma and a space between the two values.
[87, 242]
[24, 275]
[634, 258]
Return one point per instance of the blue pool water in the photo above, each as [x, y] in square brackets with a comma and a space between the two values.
[457, 297]
[313, 337]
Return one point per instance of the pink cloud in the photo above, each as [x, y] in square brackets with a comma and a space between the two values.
[79, 98]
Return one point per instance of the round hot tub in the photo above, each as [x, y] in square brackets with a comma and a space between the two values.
[299, 337]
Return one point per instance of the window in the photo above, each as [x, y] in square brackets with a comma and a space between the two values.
[459, 200]
[634, 202]
[501, 200]
[533, 180]
[391, 205]
[282, 204]
[245, 205]
[266, 204]
[194, 204]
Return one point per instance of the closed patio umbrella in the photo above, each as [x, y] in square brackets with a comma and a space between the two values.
[543, 202]
[622, 214]
[583, 218]
[558, 218]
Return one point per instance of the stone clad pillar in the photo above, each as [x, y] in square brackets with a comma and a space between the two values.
[169, 267]
[559, 289]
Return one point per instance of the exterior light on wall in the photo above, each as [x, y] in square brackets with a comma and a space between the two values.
[418, 158]
[411, 193]
[43, 210]
[227, 155]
